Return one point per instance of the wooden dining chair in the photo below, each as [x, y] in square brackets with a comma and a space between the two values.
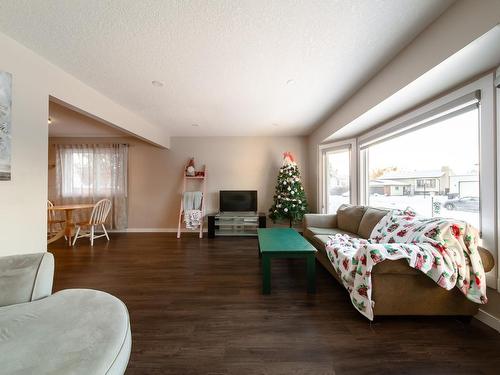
[97, 218]
[53, 221]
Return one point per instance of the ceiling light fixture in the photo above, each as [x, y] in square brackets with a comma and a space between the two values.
[157, 83]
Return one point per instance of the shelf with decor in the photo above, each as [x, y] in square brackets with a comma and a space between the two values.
[189, 173]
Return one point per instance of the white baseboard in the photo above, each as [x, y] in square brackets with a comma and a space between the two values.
[154, 230]
[488, 319]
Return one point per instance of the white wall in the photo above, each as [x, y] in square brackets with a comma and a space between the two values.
[461, 24]
[23, 199]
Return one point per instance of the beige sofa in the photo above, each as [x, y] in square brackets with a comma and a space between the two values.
[74, 331]
[398, 289]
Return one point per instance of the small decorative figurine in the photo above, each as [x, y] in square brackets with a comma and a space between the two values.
[190, 171]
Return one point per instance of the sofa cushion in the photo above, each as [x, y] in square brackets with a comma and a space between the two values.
[371, 218]
[320, 220]
[323, 238]
[74, 331]
[25, 277]
[349, 217]
[310, 232]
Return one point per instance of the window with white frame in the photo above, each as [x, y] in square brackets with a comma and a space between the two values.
[426, 183]
[432, 166]
[338, 180]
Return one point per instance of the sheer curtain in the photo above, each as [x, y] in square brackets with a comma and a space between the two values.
[87, 173]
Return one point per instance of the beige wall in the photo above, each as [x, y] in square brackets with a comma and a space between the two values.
[155, 174]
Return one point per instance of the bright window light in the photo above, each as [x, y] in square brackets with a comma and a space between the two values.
[434, 169]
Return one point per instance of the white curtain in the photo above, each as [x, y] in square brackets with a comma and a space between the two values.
[87, 173]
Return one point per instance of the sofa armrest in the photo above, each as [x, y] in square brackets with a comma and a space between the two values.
[25, 277]
[320, 220]
[486, 258]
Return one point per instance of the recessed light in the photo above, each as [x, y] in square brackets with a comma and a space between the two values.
[195, 125]
[157, 83]
[290, 82]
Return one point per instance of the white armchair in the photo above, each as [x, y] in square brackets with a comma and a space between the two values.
[74, 331]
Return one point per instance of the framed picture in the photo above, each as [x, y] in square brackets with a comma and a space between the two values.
[5, 125]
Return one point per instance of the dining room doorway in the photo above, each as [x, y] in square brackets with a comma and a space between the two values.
[87, 162]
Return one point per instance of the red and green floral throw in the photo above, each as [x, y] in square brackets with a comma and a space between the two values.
[443, 249]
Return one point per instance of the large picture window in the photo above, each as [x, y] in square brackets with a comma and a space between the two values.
[433, 169]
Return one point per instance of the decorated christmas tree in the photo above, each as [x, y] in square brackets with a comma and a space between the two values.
[289, 199]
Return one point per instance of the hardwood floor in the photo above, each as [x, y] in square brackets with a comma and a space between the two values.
[196, 308]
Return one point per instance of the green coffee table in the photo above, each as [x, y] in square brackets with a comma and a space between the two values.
[285, 243]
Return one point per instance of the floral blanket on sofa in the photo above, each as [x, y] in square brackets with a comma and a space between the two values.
[444, 249]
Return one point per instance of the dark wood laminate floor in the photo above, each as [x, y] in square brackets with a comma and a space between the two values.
[196, 308]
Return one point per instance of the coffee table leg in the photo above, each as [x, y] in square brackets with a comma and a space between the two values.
[266, 274]
[311, 274]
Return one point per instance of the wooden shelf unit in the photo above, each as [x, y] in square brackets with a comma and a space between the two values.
[203, 180]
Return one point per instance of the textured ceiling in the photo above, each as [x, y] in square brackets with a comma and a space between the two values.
[225, 64]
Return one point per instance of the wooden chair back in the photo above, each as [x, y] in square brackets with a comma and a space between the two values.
[51, 215]
[100, 212]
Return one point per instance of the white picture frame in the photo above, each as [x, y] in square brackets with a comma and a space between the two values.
[5, 125]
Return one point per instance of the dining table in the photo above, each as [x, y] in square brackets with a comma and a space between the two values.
[69, 225]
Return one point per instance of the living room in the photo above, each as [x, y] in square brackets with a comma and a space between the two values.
[342, 120]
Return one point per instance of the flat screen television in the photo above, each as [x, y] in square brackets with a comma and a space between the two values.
[238, 200]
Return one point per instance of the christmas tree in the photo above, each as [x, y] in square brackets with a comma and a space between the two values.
[289, 199]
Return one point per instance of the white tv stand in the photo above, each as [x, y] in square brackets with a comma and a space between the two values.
[235, 223]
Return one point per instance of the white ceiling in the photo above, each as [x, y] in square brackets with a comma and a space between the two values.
[226, 63]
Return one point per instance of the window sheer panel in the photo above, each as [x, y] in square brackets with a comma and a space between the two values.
[88, 173]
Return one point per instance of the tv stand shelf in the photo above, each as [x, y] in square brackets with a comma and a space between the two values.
[235, 224]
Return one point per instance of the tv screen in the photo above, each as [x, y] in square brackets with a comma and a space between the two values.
[238, 200]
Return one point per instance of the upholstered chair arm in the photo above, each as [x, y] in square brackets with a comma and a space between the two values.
[320, 221]
[25, 277]
[486, 258]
